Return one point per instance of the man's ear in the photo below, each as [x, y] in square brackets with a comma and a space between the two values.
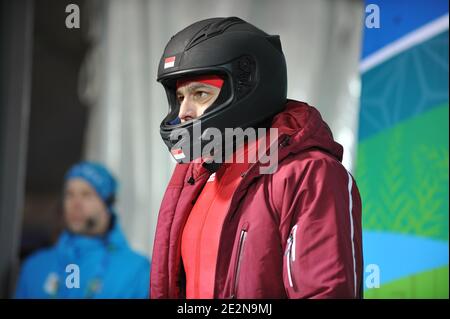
[112, 221]
[110, 200]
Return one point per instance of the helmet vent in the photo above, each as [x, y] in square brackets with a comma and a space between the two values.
[213, 29]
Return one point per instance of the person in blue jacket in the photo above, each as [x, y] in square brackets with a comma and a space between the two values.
[91, 258]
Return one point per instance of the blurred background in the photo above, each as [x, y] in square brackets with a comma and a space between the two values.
[376, 70]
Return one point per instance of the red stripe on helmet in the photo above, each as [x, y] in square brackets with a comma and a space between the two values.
[213, 80]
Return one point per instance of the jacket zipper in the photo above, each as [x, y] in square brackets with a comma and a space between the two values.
[237, 268]
[290, 256]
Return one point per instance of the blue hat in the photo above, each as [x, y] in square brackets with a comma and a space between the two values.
[97, 176]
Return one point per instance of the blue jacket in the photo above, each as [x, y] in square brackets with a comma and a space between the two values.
[107, 268]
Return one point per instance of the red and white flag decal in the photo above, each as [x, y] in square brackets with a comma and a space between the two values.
[169, 62]
[211, 178]
[177, 153]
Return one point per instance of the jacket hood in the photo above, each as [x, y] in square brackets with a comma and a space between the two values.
[300, 127]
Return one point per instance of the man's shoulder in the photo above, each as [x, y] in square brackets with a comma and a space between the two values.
[132, 258]
[39, 258]
[302, 162]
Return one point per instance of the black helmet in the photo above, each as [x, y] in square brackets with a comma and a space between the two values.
[250, 61]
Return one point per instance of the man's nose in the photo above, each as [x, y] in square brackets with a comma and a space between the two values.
[187, 110]
[76, 202]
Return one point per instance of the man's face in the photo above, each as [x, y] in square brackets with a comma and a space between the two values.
[84, 211]
[195, 98]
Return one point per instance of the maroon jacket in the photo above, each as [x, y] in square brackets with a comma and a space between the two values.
[295, 233]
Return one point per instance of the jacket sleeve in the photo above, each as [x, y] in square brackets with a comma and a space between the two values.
[322, 253]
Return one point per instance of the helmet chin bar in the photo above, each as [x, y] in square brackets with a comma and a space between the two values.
[212, 145]
[209, 145]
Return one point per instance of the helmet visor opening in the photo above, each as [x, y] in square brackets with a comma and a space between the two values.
[171, 86]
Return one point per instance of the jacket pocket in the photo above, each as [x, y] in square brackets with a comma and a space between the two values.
[237, 266]
[290, 254]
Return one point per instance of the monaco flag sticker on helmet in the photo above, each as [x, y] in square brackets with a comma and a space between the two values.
[177, 153]
[169, 62]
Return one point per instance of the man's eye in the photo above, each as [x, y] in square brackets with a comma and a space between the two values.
[87, 194]
[201, 94]
[180, 98]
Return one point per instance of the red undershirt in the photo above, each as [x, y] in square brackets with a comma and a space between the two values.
[201, 234]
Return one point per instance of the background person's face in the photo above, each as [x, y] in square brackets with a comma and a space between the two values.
[84, 211]
[195, 98]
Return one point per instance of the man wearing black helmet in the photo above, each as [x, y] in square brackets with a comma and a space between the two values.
[229, 228]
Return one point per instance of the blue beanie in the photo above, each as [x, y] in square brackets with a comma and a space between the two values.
[97, 176]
